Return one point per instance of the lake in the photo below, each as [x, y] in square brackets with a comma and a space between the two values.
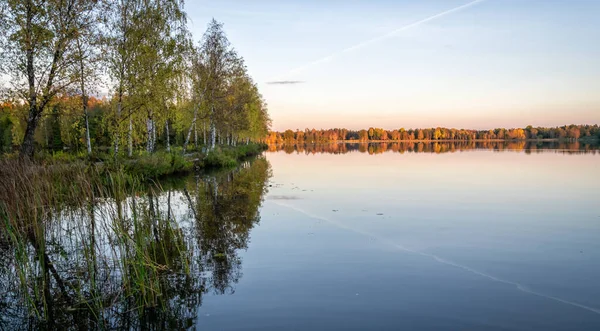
[383, 236]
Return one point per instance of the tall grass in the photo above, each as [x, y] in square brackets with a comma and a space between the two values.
[84, 238]
[100, 247]
[158, 164]
[228, 156]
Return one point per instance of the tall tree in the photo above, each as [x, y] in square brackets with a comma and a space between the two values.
[148, 41]
[87, 55]
[37, 51]
[216, 62]
[120, 46]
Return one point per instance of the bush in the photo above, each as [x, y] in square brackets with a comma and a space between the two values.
[157, 165]
[220, 158]
[229, 156]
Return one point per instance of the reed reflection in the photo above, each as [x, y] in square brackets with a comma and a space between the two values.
[124, 255]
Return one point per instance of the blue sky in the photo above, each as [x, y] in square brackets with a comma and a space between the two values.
[495, 63]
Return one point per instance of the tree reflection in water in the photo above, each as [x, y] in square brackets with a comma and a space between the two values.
[132, 258]
[568, 147]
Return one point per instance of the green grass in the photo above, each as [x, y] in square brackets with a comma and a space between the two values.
[158, 164]
[146, 243]
[87, 241]
[227, 156]
[146, 166]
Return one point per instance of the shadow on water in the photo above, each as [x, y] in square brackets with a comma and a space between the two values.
[572, 147]
[125, 256]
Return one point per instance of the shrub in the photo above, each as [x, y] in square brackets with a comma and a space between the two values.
[220, 158]
[157, 165]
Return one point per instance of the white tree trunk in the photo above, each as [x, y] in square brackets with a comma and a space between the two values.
[213, 134]
[130, 138]
[189, 134]
[168, 141]
[84, 99]
[195, 136]
[153, 135]
[150, 141]
[119, 107]
[87, 132]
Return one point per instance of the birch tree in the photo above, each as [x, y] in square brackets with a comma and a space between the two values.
[215, 63]
[120, 45]
[147, 45]
[87, 56]
[37, 48]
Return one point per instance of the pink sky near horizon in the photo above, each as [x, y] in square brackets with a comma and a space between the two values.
[479, 121]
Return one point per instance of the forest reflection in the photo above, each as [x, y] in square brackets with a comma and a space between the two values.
[572, 147]
[140, 260]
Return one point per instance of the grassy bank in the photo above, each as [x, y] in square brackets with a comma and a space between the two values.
[160, 164]
[85, 241]
[228, 156]
[144, 165]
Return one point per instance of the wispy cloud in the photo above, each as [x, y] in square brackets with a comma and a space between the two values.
[285, 82]
[385, 36]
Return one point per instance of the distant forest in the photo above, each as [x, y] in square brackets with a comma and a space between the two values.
[567, 132]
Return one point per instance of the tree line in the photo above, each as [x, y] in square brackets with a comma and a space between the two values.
[159, 87]
[573, 132]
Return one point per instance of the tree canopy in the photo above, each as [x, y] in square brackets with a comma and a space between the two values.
[119, 76]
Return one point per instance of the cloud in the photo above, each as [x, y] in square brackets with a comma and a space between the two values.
[285, 82]
[385, 36]
[283, 197]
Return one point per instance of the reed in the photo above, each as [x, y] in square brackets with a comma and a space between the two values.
[97, 247]
[83, 237]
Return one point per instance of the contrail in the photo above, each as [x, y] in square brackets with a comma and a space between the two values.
[382, 37]
[518, 286]
[285, 82]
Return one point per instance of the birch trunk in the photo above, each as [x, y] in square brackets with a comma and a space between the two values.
[150, 128]
[130, 138]
[195, 136]
[189, 134]
[213, 134]
[84, 99]
[168, 141]
[119, 108]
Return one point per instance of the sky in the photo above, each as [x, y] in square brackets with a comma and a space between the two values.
[417, 63]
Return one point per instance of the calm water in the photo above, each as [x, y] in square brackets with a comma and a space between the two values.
[368, 237]
[478, 239]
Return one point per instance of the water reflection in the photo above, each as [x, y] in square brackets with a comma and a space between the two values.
[572, 147]
[132, 258]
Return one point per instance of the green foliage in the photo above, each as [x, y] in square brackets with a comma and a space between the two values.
[154, 165]
[85, 243]
[6, 126]
[220, 158]
[229, 156]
